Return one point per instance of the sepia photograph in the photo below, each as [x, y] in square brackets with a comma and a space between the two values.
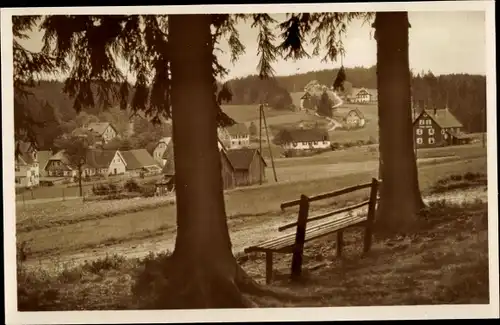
[250, 162]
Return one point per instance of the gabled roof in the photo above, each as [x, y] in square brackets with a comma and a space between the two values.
[296, 97]
[355, 91]
[304, 135]
[238, 129]
[99, 127]
[100, 158]
[43, 158]
[241, 159]
[24, 153]
[137, 158]
[165, 140]
[443, 117]
[357, 111]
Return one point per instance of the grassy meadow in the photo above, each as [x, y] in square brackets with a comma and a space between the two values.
[67, 227]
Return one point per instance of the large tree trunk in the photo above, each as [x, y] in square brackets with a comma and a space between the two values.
[205, 270]
[400, 194]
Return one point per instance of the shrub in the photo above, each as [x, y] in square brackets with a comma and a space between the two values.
[132, 186]
[109, 262]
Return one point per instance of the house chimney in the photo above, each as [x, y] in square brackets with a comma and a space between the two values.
[435, 111]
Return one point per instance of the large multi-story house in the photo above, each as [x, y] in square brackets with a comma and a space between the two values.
[437, 127]
[363, 95]
[27, 173]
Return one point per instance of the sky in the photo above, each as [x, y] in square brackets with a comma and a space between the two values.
[442, 42]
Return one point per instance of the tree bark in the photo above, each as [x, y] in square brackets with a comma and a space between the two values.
[205, 270]
[400, 194]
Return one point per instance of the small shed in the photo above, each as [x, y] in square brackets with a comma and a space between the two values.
[165, 186]
[249, 166]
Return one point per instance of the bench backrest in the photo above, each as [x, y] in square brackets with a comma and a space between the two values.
[304, 201]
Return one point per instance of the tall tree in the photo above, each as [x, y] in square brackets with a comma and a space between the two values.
[400, 194]
[325, 105]
[76, 149]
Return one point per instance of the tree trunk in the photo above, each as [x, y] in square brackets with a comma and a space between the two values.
[206, 271]
[400, 194]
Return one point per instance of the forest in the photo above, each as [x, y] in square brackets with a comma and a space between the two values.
[465, 96]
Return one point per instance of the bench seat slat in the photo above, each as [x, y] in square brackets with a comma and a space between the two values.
[286, 242]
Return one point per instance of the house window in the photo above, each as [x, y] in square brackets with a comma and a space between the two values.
[428, 122]
[17, 168]
[420, 141]
[315, 143]
[445, 136]
[431, 131]
[443, 131]
[421, 122]
[420, 131]
[431, 140]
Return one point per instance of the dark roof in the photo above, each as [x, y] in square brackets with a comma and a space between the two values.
[243, 157]
[238, 129]
[304, 135]
[100, 158]
[43, 158]
[138, 158]
[443, 117]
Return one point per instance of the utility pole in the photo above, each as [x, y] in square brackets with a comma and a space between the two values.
[269, 144]
[260, 136]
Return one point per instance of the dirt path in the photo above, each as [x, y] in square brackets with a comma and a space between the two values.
[244, 231]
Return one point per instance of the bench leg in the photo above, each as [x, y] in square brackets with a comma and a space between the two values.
[269, 267]
[340, 242]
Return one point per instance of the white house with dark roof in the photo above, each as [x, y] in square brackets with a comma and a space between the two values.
[354, 118]
[363, 95]
[103, 131]
[304, 139]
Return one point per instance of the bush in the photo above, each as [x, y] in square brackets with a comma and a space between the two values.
[148, 190]
[132, 186]
[113, 262]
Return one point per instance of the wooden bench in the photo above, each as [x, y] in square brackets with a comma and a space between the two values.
[293, 243]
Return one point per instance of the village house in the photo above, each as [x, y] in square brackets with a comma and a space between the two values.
[26, 167]
[104, 163]
[59, 165]
[97, 163]
[354, 118]
[437, 127]
[235, 136]
[363, 95]
[138, 163]
[103, 131]
[249, 166]
[304, 139]
[159, 150]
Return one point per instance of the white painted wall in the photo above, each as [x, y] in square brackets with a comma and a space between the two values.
[307, 145]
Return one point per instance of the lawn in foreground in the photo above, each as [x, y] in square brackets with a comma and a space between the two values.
[445, 261]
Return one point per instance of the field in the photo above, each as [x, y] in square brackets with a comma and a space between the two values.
[74, 231]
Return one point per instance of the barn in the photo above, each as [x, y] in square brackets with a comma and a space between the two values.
[249, 166]
[437, 127]
[228, 177]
